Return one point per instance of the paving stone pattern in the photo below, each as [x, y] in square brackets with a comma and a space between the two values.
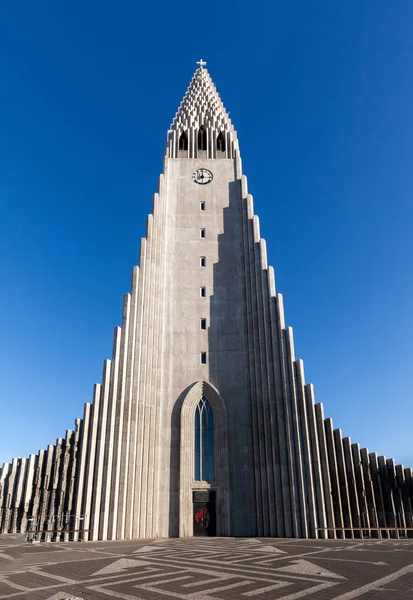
[207, 569]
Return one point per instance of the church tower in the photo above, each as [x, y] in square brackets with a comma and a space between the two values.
[203, 423]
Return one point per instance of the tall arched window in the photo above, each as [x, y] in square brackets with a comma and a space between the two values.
[183, 141]
[204, 442]
[202, 138]
[221, 142]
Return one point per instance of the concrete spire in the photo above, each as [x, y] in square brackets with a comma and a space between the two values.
[201, 107]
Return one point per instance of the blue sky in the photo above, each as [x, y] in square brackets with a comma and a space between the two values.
[321, 95]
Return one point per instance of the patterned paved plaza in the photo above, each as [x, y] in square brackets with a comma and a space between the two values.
[207, 569]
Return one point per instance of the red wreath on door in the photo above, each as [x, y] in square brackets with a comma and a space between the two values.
[202, 517]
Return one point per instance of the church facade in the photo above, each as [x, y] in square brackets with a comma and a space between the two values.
[203, 423]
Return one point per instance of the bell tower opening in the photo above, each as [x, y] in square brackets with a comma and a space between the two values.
[183, 141]
[221, 144]
[202, 138]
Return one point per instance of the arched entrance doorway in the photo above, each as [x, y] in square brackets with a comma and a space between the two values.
[204, 463]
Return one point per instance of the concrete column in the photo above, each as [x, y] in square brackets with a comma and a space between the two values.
[342, 480]
[63, 484]
[11, 493]
[118, 432]
[7, 519]
[270, 415]
[45, 491]
[405, 496]
[292, 504]
[60, 483]
[37, 490]
[360, 487]
[408, 475]
[324, 517]
[409, 498]
[378, 497]
[334, 479]
[370, 493]
[156, 262]
[395, 493]
[138, 389]
[278, 429]
[28, 492]
[159, 400]
[259, 433]
[69, 505]
[100, 448]
[16, 505]
[51, 518]
[325, 469]
[127, 481]
[90, 461]
[147, 397]
[297, 474]
[157, 240]
[80, 474]
[192, 143]
[387, 493]
[311, 516]
[110, 430]
[351, 483]
[267, 473]
[248, 253]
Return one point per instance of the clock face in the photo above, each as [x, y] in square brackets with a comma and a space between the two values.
[202, 176]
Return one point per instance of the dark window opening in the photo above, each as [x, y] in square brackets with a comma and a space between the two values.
[203, 323]
[221, 142]
[183, 141]
[202, 205]
[203, 261]
[202, 233]
[203, 292]
[202, 138]
[203, 358]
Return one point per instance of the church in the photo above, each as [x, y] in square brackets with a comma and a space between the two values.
[203, 424]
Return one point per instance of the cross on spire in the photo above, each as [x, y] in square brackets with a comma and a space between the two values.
[201, 63]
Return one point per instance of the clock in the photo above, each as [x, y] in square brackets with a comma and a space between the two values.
[202, 176]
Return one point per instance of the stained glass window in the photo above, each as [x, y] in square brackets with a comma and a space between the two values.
[204, 442]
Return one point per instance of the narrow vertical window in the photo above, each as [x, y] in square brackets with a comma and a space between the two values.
[202, 138]
[202, 233]
[203, 358]
[202, 291]
[204, 442]
[203, 323]
[202, 205]
[202, 261]
[197, 474]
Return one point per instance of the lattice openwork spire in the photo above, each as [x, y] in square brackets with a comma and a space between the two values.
[202, 110]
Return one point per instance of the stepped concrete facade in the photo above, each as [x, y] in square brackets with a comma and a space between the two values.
[203, 423]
